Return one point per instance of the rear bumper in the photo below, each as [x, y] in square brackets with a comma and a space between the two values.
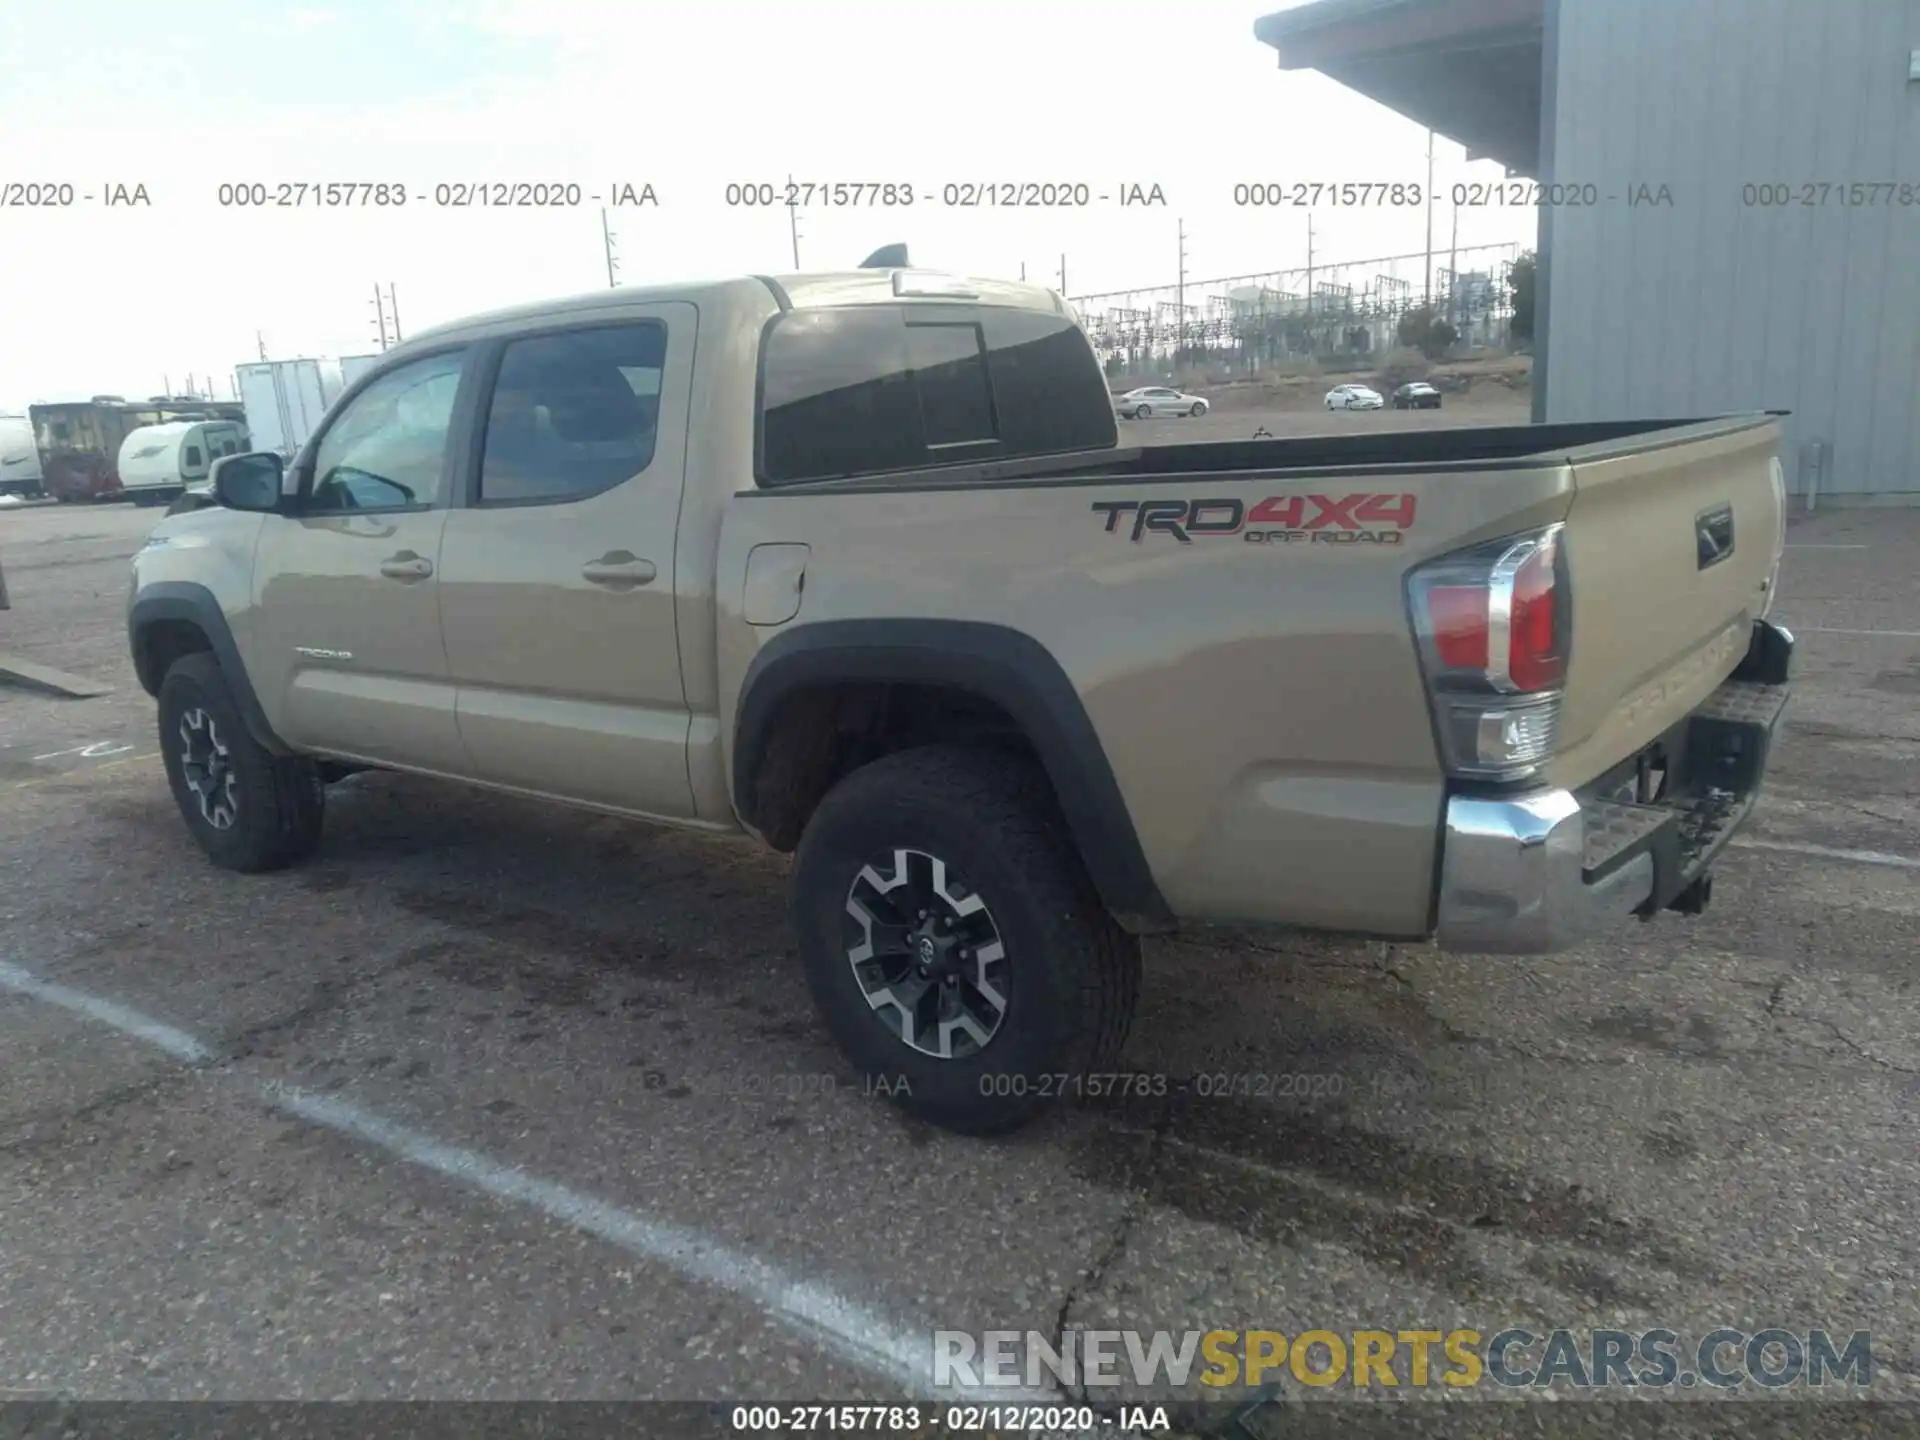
[1541, 872]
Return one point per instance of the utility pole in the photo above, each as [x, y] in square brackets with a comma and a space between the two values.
[1023, 272]
[1453, 273]
[1063, 274]
[393, 310]
[1429, 219]
[793, 221]
[606, 239]
[260, 337]
[380, 315]
[166, 385]
[1309, 267]
[1180, 296]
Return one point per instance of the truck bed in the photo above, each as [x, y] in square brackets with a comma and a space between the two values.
[1258, 690]
[1476, 448]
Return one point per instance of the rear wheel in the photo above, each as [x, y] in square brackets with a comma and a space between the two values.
[953, 942]
[249, 809]
[1143, 412]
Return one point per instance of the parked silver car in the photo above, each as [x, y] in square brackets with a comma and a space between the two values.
[1353, 397]
[1151, 400]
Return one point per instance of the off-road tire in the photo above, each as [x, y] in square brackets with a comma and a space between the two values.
[1072, 974]
[279, 800]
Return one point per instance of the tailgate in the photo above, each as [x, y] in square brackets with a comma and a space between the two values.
[1672, 548]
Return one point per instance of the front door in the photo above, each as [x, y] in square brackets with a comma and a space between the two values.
[557, 576]
[347, 635]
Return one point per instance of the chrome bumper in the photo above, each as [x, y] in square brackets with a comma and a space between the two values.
[1511, 880]
[1543, 871]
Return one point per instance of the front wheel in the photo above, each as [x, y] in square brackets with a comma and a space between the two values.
[1197, 411]
[249, 809]
[1145, 412]
[954, 944]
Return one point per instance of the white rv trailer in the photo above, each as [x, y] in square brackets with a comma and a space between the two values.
[157, 462]
[19, 458]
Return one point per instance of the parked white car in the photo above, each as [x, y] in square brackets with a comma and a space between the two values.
[1353, 397]
[1151, 400]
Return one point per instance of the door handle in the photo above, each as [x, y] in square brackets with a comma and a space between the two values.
[618, 569]
[406, 566]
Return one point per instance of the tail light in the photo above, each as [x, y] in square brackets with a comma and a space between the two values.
[1494, 625]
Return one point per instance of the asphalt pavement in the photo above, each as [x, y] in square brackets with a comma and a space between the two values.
[498, 1101]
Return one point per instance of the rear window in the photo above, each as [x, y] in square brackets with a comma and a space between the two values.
[866, 389]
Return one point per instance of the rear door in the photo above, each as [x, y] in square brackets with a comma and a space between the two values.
[557, 595]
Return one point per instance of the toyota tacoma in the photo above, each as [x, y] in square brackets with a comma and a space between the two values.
[856, 563]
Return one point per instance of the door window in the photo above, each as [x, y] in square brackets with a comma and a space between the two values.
[388, 449]
[573, 413]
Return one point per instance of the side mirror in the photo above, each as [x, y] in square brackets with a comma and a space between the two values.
[249, 482]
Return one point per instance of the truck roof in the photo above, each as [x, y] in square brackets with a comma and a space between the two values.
[801, 291]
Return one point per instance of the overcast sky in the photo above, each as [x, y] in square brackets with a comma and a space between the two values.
[685, 96]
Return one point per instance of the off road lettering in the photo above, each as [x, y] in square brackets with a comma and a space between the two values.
[1361, 517]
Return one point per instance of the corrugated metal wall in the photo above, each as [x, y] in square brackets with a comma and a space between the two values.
[1720, 301]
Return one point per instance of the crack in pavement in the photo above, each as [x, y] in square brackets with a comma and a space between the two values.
[59, 1123]
[1854, 1045]
[1094, 1275]
[327, 995]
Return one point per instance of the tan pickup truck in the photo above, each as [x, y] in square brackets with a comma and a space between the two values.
[855, 562]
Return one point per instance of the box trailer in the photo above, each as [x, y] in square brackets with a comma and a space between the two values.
[352, 367]
[284, 400]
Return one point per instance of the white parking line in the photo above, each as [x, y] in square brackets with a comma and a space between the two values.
[176, 1043]
[900, 1354]
[1810, 545]
[1823, 630]
[1827, 852]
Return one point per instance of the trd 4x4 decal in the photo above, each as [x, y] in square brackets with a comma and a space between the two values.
[1361, 519]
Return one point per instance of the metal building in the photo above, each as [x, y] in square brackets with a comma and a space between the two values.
[1730, 199]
